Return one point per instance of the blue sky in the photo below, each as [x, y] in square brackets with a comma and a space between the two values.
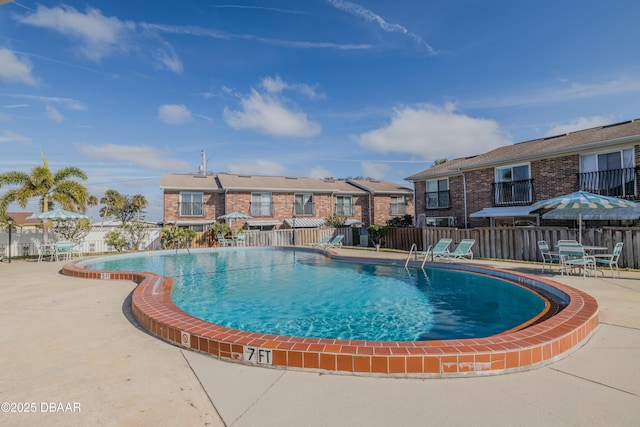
[131, 90]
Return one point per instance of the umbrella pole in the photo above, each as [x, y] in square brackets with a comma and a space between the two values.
[580, 224]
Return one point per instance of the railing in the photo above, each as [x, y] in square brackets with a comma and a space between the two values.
[191, 209]
[621, 183]
[436, 199]
[513, 192]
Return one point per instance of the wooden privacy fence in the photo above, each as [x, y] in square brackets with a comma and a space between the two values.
[519, 243]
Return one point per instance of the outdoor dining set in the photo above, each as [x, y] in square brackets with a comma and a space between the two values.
[570, 255]
[55, 251]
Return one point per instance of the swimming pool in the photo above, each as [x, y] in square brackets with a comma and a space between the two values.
[540, 343]
[305, 294]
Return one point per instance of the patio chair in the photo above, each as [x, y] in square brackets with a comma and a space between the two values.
[462, 251]
[440, 249]
[76, 250]
[322, 241]
[574, 256]
[548, 257]
[223, 241]
[63, 249]
[610, 260]
[335, 243]
[240, 239]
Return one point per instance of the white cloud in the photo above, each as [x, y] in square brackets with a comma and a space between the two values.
[174, 114]
[9, 136]
[54, 114]
[97, 34]
[433, 132]
[16, 69]
[275, 85]
[140, 155]
[319, 172]
[256, 167]
[267, 113]
[168, 58]
[579, 124]
[375, 170]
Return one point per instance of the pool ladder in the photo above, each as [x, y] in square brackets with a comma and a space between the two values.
[415, 252]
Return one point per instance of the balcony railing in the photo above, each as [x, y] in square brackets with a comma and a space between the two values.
[621, 183]
[304, 209]
[191, 209]
[513, 192]
[261, 208]
[437, 199]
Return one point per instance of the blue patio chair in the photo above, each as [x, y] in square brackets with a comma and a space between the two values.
[335, 243]
[322, 241]
[462, 251]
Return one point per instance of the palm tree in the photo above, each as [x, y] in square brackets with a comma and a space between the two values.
[50, 187]
[91, 202]
[139, 202]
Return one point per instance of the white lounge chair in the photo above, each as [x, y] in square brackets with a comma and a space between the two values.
[610, 260]
[336, 242]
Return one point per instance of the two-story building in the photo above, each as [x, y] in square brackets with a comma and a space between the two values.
[501, 185]
[197, 200]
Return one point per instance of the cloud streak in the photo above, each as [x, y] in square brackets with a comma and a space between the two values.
[369, 16]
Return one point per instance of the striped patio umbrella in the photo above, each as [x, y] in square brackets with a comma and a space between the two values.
[583, 199]
[55, 215]
[58, 215]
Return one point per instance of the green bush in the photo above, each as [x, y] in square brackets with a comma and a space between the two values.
[116, 239]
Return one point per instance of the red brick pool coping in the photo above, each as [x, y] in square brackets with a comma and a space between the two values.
[524, 349]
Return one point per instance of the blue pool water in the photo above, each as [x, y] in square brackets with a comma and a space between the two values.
[286, 292]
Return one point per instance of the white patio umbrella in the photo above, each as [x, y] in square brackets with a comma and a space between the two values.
[583, 199]
[55, 215]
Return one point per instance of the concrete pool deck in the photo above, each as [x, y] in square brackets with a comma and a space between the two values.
[73, 341]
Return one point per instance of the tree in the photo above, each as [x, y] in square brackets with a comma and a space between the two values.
[336, 220]
[377, 233]
[121, 207]
[91, 202]
[74, 231]
[139, 202]
[50, 187]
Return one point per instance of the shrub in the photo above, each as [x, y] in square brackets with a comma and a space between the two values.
[116, 239]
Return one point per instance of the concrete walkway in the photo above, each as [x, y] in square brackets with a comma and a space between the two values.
[72, 341]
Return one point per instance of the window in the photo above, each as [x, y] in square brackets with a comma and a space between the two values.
[344, 205]
[437, 195]
[513, 185]
[611, 174]
[261, 204]
[443, 221]
[303, 204]
[398, 205]
[191, 204]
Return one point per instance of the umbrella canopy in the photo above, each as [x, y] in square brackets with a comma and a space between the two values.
[58, 215]
[583, 199]
[235, 215]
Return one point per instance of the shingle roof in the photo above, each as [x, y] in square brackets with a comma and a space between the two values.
[189, 182]
[540, 148]
[223, 181]
[381, 187]
[283, 183]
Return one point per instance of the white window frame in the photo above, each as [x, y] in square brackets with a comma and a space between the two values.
[183, 203]
[502, 199]
[341, 205]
